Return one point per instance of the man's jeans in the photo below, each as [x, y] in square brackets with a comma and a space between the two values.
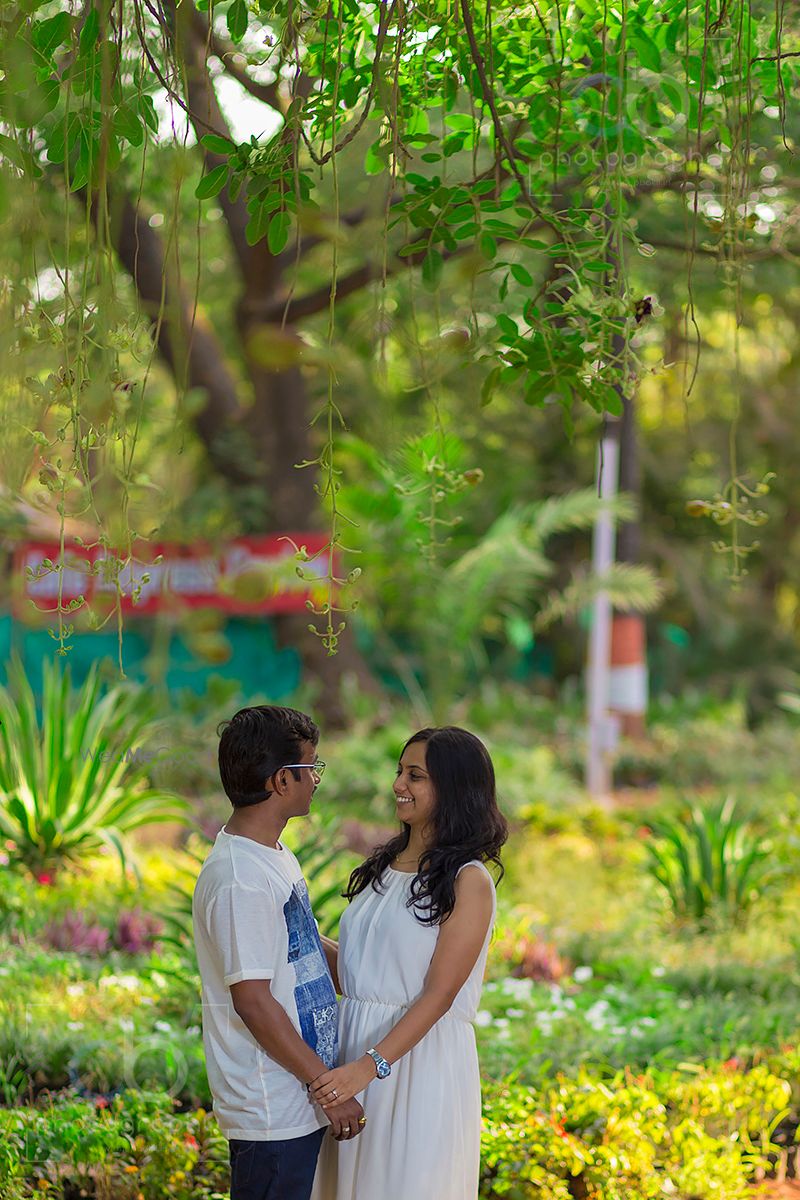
[275, 1170]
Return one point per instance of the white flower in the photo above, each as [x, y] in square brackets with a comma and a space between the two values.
[193, 1030]
[74, 1025]
[76, 989]
[163, 1027]
[648, 1021]
[515, 1012]
[684, 1004]
[618, 1030]
[658, 971]
[582, 974]
[483, 1018]
[596, 1015]
[520, 989]
[126, 1024]
[128, 983]
[502, 1023]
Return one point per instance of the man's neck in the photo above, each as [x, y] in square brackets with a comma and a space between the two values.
[263, 827]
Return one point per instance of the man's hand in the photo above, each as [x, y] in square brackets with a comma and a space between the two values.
[345, 1120]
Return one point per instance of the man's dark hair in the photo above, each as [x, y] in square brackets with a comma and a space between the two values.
[256, 743]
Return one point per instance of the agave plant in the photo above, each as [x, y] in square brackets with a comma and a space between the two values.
[71, 781]
[712, 863]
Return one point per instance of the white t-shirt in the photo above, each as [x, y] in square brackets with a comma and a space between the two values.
[253, 920]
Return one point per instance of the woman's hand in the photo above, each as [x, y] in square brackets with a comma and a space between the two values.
[332, 1087]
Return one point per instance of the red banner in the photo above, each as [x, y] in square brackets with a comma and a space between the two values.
[248, 575]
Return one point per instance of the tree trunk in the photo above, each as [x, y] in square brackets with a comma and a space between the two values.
[274, 435]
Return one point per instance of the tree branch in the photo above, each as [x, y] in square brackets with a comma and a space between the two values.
[227, 53]
[185, 341]
[314, 302]
[775, 57]
[257, 265]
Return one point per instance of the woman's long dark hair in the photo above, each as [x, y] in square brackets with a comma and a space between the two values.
[468, 825]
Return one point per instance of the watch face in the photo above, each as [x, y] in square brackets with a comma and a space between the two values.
[383, 1070]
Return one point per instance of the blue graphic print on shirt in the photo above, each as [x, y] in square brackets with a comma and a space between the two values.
[314, 992]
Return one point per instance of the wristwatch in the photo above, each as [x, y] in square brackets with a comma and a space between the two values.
[382, 1067]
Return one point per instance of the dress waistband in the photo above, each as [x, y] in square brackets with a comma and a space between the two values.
[402, 1008]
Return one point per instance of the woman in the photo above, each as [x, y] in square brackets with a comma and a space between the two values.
[411, 958]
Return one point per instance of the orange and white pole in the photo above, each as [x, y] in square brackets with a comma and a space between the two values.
[627, 691]
[601, 725]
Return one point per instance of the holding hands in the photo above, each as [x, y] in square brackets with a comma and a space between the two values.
[332, 1088]
[347, 1120]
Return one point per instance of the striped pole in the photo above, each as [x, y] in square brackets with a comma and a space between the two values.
[601, 726]
[627, 693]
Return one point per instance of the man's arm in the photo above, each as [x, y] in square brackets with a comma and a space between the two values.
[270, 1025]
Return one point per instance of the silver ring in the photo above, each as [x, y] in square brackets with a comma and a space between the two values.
[347, 1130]
[334, 1093]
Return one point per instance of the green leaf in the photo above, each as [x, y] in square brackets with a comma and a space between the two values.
[47, 35]
[521, 275]
[612, 402]
[128, 125]
[489, 385]
[488, 246]
[646, 52]
[278, 233]
[217, 144]
[91, 28]
[213, 183]
[375, 160]
[237, 20]
[148, 111]
[432, 269]
[19, 156]
[257, 225]
[507, 325]
[459, 121]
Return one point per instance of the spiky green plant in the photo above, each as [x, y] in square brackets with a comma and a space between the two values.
[711, 864]
[70, 780]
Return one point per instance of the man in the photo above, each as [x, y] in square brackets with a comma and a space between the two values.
[269, 1004]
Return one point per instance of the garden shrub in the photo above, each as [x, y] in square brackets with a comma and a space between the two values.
[135, 1146]
[624, 1138]
[629, 1138]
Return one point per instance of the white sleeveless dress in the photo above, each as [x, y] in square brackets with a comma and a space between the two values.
[422, 1138]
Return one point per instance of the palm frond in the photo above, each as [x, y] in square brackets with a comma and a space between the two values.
[630, 587]
[578, 510]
